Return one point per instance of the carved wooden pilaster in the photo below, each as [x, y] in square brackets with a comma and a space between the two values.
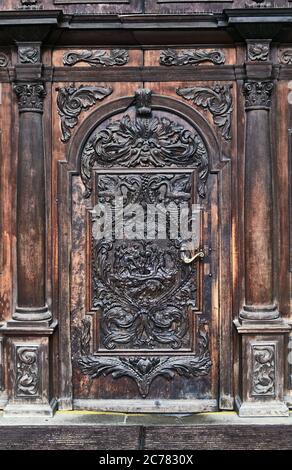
[258, 212]
[31, 221]
[26, 337]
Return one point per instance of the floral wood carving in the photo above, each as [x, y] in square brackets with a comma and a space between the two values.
[217, 100]
[286, 57]
[263, 379]
[144, 290]
[145, 369]
[27, 380]
[30, 96]
[144, 141]
[3, 60]
[100, 57]
[258, 51]
[258, 94]
[71, 101]
[172, 57]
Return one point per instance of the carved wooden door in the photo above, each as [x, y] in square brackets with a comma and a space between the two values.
[142, 329]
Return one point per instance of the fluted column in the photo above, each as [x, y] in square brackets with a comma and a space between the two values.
[258, 204]
[31, 217]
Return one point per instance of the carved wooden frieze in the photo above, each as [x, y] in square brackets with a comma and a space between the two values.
[258, 51]
[172, 57]
[263, 370]
[258, 94]
[217, 100]
[97, 57]
[30, 96]
[71, 101]
[145, 141]
[145, 369]
[27, 371]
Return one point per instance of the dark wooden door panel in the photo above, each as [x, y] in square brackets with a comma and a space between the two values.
[141, 324]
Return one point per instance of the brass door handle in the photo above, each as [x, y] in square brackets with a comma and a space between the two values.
[199, 255]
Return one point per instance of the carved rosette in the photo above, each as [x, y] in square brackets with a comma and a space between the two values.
[30, 96]
[71, 101]
[101, 57]
[171, 57]
[217, 100]
[27, 371]
[258, 94]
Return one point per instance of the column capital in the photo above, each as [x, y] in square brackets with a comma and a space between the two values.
[258, 94]
[30, 96]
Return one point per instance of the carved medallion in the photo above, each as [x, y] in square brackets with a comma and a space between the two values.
[194, 57]
[145, 369]
[146, 141]
[217, 100]
[71, 101]
[100, 57]
[27, 372]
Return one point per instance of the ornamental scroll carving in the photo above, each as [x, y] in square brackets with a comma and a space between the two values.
[147, 141]
[27, 371]
[263, 379]
[172, 57]
[3, 60]
[258, 51]
[101, 57]
[71, 101]
[145, 369]
[144, 290]
[217, 100]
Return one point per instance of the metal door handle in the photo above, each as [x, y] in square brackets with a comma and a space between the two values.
[199, 255]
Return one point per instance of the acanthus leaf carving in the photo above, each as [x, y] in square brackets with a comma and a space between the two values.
[30, 96]
[145, 369]
[263, 378]
[71, 101]
[100, 57]
[171, 57]
[27, 371]
[145, 141]
[217, 100]
[258, 94]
